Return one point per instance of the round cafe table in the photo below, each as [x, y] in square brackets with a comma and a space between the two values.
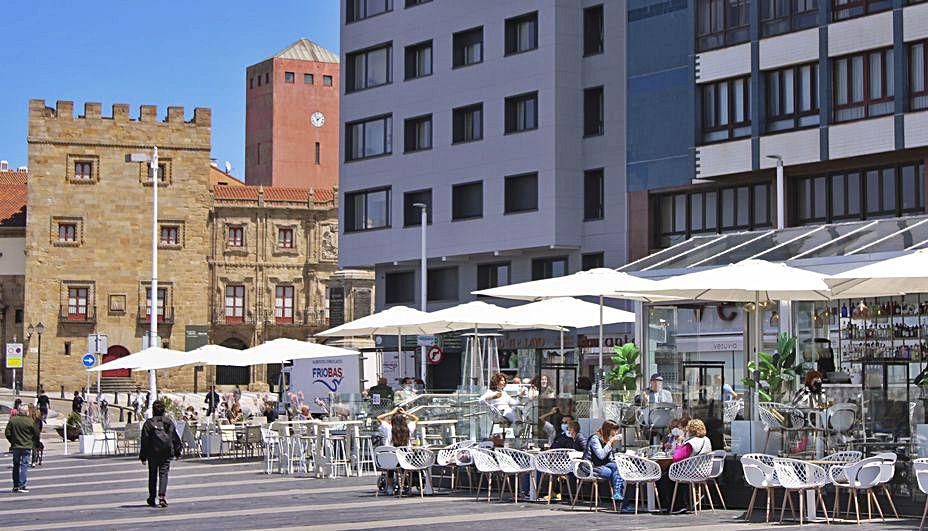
[664, 463]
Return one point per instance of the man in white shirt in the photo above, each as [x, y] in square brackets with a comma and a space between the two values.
[656, 393]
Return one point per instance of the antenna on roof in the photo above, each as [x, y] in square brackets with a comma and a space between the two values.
[229, 167]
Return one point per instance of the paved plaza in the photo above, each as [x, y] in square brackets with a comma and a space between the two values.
[72, 492]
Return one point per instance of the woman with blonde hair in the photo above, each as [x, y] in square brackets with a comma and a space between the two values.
[696, 442]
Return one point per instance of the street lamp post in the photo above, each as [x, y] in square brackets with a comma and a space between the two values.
[423, 279]
[153, 295]
[38, 329]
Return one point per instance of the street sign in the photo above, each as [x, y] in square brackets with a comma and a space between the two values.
[425, 341]
[14, 355]
[89, 360]
[435, 355]
[97, 343]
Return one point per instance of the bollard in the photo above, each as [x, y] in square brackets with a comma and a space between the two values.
[120, 414]
[62, 391]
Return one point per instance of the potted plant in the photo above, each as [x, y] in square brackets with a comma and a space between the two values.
[775, 371]
[625, 370]
[74, 427]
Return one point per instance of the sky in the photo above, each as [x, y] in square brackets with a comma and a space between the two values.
[191, 53]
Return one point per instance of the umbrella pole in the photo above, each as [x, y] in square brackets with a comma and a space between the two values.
[562, 344]
[601, 334]
[758, 344]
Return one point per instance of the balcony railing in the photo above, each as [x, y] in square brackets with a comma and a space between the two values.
[77, 314]
[167, 318]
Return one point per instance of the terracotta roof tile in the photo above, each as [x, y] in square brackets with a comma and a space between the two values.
[218, 177]
[12, 205]
[273, 194]
[12, 177]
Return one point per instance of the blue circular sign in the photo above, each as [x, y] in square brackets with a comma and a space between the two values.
[89, 360]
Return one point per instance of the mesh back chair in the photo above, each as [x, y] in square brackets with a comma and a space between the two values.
[655, 417]
[486, 464]
[920, 467]
[863, 475]
[513, 464]
[780, 418]
[416, 461]
[694, 472]
[637, 471]
[445, 458]
[555, 465]
[841, 421]
[801, 476]
[887, 471]
[385, 460]
[761, 475]
[585, 474]
[131, 437]
[733, 408]
[718, 466]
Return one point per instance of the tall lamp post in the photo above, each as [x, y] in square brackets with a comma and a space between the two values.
[38, 329]
[153, 295]
[423, 278]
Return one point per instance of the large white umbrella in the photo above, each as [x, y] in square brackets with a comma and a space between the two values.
[570, 312]
[218, 355]
[399, 320]
[151, 358]
[907, 273]
[284, 349]
[478, 314]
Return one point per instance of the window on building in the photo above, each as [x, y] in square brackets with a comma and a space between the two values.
[467, 123]
[417, 133]
[593, 194]
[283, 304]
[318, 153]
[467, 47]
[493, 275]
[289, 77]
[860, 194]
[412, 215]
[361, 9]
[521, 112]
[267, 78]
[792, 97]
[83, 170]
[251, 83]
[726, 109]
[442, 284]
[170, 235]
[467, 200]
[77, 303]
[594, 30]
[863, 85]
[521, 193]
[549, 267]
[399, 287]
[371, 137]
[413, 3]
[259, 80]
[367, 210]
[162, 172]
[162, 296]
[67, 348]
[285, 237]
[18, 316]
[782, 16]
[593, 261]
[721, 23]
[918, 76]
[844, 9]
[521, 33]
[369, 68]
[307, 79]
[593, 112]
[419, 60]
[327, 81]
[727, 209]
[236, 236]
[235, 303]
[67, 232]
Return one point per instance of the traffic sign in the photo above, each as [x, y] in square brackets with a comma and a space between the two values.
[435, 355]
[97, 343]
[14, 355]
[89, 360]
[425, 341]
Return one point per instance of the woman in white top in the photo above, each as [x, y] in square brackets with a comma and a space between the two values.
[397, 427]
[507, 406]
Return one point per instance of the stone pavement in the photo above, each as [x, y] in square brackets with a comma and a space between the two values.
[109, 493]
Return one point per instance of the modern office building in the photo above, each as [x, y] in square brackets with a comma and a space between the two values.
[717, 88]
[291, 118]
[506, 119]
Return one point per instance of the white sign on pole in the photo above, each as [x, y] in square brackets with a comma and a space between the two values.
[97, 343]
[318, 377]
[14, 355]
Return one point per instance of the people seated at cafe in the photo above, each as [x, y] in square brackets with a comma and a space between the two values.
[554, 423]
[389, 435]
[270, 412]
[655, 394]
[381, 392]
[570, 438]
[599, 449]
[235, 413]
[509, 407]
[543, 386]
[811, 395]
[406, 392]
[694, 443]
[676, 436]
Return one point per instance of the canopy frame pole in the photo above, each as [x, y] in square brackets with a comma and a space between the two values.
[758, 345]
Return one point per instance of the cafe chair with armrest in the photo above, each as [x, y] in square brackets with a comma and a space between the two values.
[861, 476]
[801, 476]
[636, 470]
[556, 465]
[920, 467]
[761, 475]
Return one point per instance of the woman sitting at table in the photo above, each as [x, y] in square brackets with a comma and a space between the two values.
[397, 427]
[507, 406]
[235, 413]
[599, 449]
[811, 395]
[695, 443]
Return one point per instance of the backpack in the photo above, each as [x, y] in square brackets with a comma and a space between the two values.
[162, 442]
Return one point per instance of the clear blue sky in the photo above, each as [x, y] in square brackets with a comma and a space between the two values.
[162, 52]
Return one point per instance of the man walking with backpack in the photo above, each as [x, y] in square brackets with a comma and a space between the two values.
[159, 442]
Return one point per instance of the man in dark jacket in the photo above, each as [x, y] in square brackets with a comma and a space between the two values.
[212, 401]
[77, 403]
[20, 431]
[159, 442]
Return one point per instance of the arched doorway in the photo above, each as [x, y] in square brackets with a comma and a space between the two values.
[112, 353]
[229, 375]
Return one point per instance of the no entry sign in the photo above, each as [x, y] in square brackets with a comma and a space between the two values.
[434, 355]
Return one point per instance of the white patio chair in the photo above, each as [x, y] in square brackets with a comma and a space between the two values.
[920, 468]
[694, 472]
[102, 436]
[486, 464]
[584, 473]
[732, 409]
[761, 475]
[272, 453]
[512, 464]
[843, 458]
[385, 460]
[131, 437]
[801, 476]
[638, 471]
[780, 418]
[228, 439]
[887, 471]
[415, 460]
[446, 458]
[863, 475]
[556, 465]
[718, 466]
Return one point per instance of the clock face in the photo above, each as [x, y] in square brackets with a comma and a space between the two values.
[317, 119]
